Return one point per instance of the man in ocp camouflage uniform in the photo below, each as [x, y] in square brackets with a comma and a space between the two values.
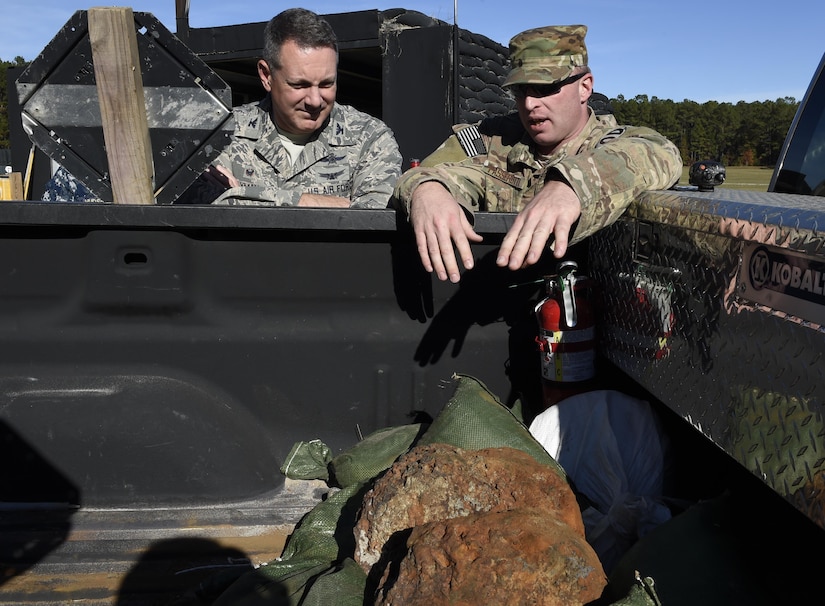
[298, 147]
[567, 171]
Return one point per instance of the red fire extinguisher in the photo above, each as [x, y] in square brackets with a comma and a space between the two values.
[567, 332]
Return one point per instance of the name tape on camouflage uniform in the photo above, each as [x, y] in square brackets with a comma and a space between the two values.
[502, 175]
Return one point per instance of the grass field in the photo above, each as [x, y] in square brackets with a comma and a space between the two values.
[752, 178]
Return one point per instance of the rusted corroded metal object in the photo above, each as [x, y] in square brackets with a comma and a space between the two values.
[439, 481]
[521, 556]
[443, 525]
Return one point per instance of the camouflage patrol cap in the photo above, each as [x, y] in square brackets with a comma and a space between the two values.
[545, 55]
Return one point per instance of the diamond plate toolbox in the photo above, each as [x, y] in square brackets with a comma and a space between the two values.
[715, 303]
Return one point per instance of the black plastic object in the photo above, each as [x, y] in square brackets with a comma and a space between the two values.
[707, 174]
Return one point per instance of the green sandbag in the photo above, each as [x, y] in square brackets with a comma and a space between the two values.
[258, 589]
[313, 460]
[342, 586]
[475, 418]
[642, 593]
[321, 540]
[372, 455]
[308, 461]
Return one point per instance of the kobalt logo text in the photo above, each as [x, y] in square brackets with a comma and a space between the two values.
[760, 268]
[788, 274]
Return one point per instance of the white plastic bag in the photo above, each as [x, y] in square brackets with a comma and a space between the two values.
[612, 448]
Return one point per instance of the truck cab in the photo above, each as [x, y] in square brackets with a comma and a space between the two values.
[800, 169]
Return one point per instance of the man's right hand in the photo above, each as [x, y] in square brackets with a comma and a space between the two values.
[440, 223]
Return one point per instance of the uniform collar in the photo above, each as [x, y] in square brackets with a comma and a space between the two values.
[255, 126]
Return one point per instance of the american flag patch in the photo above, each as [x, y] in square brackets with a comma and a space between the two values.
[471, 141]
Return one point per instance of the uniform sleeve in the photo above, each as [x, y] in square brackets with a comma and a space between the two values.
[234, 158]
[450, 152]
[460, 162]
[464, 180]
[378, 170]
[608, 177]
[256, 195]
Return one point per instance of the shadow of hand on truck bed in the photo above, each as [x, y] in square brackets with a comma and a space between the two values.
[182, 572]
[486, 294]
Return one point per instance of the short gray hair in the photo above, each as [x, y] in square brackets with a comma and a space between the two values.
[306, 28]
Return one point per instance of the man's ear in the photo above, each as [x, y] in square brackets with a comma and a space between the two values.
[586, 87]
[265, 74]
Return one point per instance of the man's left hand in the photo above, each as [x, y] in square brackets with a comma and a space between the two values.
[553, 211]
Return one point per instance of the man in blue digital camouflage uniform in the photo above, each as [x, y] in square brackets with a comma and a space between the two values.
[298, 147]
[567, 171]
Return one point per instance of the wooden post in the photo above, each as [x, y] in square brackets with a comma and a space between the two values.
[122, 105]
[11, 187]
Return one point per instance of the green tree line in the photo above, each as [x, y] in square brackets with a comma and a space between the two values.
[4, 100]
[741, 134]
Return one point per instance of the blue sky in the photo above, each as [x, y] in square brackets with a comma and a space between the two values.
[727, 51]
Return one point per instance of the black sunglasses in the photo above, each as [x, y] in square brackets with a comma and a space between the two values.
[544, 90]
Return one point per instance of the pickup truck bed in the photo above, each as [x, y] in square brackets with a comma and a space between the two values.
[160, 362]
